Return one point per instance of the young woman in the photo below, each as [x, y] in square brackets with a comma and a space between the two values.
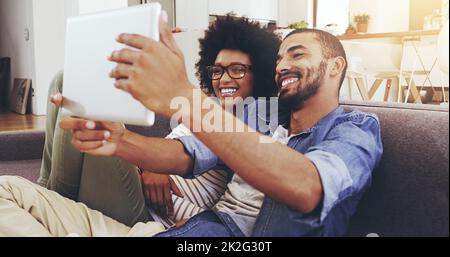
[237, 60]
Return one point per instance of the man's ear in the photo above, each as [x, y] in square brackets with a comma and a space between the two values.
[337, 66]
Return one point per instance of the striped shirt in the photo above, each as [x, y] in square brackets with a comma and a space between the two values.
[199, 194]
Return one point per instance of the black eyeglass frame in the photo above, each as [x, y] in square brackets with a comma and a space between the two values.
[246, 67]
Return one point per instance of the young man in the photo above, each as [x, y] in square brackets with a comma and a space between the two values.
[306, 184]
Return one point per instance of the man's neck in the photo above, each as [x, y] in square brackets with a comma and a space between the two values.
[312, 111]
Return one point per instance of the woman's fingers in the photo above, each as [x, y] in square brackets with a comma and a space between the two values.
[57, 99]
[154, 198]
[86, 145]
[77, 124]
[174, 188]
[160, 200]
[91, 135]
[168, 199]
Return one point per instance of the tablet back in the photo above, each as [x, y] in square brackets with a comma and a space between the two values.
[88, 90]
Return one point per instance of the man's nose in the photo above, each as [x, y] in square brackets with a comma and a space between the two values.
[283, 66]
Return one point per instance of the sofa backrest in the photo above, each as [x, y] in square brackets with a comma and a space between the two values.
[409, 192]
[160, 128]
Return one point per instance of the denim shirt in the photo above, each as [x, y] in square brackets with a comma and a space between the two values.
[345, 148]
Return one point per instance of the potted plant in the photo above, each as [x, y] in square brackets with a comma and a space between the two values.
[298, 25]
[362, 22]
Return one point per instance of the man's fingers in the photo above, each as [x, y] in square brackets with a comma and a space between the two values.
[77, 124]
[123, 84]
[174, 188]
[166, 35]
[91, 135]
[135, 40]
[57, 99]
[125, 55]
[122, 71]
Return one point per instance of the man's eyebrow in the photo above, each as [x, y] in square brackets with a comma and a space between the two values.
[292, 49]
[296, 47]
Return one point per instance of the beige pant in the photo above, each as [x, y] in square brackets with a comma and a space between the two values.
[27, 209]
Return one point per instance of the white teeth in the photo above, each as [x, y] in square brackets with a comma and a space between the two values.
[288, 81]
[228, 90]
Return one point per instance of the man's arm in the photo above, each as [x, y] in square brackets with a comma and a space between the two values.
[275, 169]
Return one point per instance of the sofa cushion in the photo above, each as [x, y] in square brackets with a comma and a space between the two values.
[409, 192]
[28, 169]
[21, 145]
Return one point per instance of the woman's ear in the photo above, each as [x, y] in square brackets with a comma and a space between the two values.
[338, 65]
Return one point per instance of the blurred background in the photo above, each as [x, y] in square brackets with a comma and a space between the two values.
[392, 46]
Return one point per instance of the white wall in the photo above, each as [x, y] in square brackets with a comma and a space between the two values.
[192, 14]
[385, 15]
[89, 6]
[290, 11]
[15, 17]
[188, 43]
[48, 46]
[256, 9]
[42, 55]
[334, 12]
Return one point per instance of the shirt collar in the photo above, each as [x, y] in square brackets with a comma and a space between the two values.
[325, 120]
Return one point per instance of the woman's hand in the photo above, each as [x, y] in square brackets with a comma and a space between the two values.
[152, 72]
[57, 100]
[96, 138]
[157, 189]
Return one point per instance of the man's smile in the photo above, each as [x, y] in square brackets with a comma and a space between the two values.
[288, 80]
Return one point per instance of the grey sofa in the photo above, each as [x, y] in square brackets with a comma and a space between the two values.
[409, 192]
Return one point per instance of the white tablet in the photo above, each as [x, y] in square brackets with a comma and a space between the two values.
[88, 90]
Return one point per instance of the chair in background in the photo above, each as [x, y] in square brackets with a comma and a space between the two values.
[376, 59]
[419, 58]
[360, 81]
[389, 64]
[443, 58]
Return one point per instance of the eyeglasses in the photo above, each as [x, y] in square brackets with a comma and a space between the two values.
[235, 71]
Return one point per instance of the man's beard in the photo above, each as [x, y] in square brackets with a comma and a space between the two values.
[294, 101]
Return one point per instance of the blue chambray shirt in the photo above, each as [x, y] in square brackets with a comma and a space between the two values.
[344, 146]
